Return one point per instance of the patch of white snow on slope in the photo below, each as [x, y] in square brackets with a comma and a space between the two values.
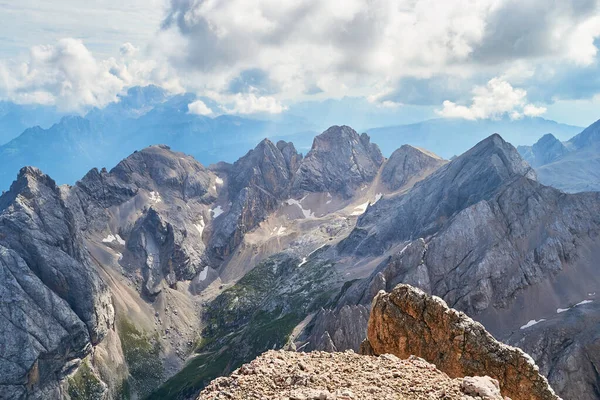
[217, 211]
[200, 226]
[359, 210]
[155, 197]
[306, 213]
[203, 274]
[532, 323]
[114, 238]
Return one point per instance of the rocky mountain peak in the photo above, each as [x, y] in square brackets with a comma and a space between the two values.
[494, 151]
[320, 375]
[28, 184]
[407, 322]
[158, 167]
[408, 163]
[476, 175]
[291, 156]
[590, 136]
[265, 166]
[257, 183]
[340, 161]
[546, 150]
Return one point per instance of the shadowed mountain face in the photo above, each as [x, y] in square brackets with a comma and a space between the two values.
[161, 274]
[573, 166]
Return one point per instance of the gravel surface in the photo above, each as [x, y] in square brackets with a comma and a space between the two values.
[319, 375]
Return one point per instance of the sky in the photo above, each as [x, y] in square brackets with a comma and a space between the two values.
[461, 59]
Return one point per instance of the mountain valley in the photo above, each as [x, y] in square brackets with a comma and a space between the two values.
[154, 278]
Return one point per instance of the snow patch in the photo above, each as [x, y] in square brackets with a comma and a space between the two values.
[303, 262]
[359, 210]
[203, 274]
[200, 226]
[306, 213]
[114, 238]
[562, 310]
[532, 323]
[329, 198]
[109, 239]
[217, 211]
[378, 197]
[219, 181]
[120, 240]
[281, 230]
[155, 197]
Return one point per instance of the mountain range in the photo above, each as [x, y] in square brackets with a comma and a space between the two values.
[573, 165]
[153, 278]
[67, 146]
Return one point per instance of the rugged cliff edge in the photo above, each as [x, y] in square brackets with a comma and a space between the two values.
[408, 322]
[417, 348]
[345, 376]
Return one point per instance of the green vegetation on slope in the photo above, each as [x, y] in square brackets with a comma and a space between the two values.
[255, 315]
[84, 384]
[142, 354]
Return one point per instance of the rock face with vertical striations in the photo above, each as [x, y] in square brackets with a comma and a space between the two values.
[408, 322]
[55, 305]
[340, 161]
[257, 184]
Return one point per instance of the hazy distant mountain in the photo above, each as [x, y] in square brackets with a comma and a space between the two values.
[149, 115]
[142, 117]
[15, 118]
[546, 150]
[450, 137]
[573, 166]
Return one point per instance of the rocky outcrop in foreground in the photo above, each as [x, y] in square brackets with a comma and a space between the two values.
[408, 322]
[328, 376]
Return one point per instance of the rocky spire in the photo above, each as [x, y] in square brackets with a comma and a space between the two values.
[340, 161]
[408, 322]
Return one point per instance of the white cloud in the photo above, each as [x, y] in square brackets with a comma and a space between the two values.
[199, 108]
[250, 103]
[533, 111]
[305, 48]
[351, 46]
[493, 100]
[68, 75]
[129, 50]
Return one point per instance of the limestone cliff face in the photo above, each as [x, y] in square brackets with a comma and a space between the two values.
[408, 322]
[340, 161]
[257, 184]
[55, 305]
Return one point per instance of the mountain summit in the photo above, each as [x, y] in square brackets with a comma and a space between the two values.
[340, 161]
